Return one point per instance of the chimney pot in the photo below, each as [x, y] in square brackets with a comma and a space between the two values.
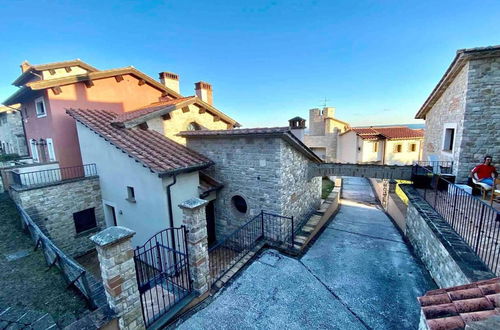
[204, 91]
[170, 80]
[25, 66]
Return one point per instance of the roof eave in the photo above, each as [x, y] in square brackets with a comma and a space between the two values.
[18, 96]
[185, 169]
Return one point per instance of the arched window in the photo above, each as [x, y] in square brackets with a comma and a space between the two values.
[239, 204]
[194, 126]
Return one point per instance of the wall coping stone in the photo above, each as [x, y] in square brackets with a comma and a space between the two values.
[468, 261]
[50, 184]
[112, 235]
[193, 203]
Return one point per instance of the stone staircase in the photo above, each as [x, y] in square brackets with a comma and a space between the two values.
[24, 318]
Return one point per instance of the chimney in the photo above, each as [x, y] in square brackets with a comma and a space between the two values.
[25, 66]
[170, 80]
[297, 126]
[204, 91]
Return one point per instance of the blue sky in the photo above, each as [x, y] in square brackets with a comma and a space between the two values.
[268, 61]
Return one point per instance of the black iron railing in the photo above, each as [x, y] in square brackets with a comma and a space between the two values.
[475, 221]
[275, 229]
[44, 177]
[435, 166]
[162, 271]
[72, 272]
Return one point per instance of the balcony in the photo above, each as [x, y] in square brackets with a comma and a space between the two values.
[22, 179]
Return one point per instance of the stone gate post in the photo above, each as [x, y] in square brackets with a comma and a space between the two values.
[197, 242]
[116, 261]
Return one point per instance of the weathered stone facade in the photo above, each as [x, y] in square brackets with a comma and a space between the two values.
[52, 208]
[12, 139]
[116, 261]
[471, 105]
[449, 260]
[266, 171]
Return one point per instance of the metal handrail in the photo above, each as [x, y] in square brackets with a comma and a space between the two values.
[49, 176]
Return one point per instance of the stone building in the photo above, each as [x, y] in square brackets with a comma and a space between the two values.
[462, 114]
[12, 138]
[261, 169]
[324, 130]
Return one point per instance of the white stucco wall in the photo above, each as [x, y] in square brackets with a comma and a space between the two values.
[61, 72]
[149, 214]
[405, 157]
[348, 148]
[367, 153]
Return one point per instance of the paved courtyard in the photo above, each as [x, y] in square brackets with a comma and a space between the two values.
[359, 274]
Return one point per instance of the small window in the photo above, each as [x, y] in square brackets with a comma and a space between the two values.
[449, 137]
[194, 127]
[131, 194]
[398, 148]
[40, 107]
[413, 147]
[375, 146]
[239, 204]
[84, 220]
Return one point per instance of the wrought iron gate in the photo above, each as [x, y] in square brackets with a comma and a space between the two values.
[163, 276]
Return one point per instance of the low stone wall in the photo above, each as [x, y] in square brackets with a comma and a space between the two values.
[393, 205]
[52, 208]
[447, 257]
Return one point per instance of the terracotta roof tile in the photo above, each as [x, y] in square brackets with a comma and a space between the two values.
[469, 303]
[239, 131]
[150, 108]
[152, 149]
[391, 132]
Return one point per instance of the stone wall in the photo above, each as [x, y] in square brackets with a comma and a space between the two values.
[52, 208]
[391, 202]
[449, 109]
[266, 172]
[12, 133]
[447, 257]
[481, 134]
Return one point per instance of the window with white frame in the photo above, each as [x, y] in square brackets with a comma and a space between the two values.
[449, 138]
[34, 150]
[41, 110]
[50, 149]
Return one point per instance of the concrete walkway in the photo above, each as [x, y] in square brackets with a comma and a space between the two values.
[359, 274]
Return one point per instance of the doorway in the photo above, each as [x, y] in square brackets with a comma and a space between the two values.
[210, 214]
[110, 215]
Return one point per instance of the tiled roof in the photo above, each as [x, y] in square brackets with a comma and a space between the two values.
[152, 149]
[282, 132]
[239, 131]
[454, 307]
[150, 108]
[391, 132]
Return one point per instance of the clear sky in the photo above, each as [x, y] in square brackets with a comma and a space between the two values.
[268, 61]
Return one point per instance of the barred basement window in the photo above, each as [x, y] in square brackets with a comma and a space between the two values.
[84, 220]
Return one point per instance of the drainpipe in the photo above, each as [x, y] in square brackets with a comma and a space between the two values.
[171, 219]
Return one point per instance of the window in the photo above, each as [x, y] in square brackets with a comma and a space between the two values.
[40, 107]
[84, 220]
[34, 150]
[413, 147]
[449, 139]
[50, 148]
[194, 127]
[375, 146]
[398, 148]
[131, 194]
[239, 204]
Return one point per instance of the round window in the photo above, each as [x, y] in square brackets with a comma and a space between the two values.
[239, 204]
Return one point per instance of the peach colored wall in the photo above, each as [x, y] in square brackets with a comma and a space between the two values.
[106, 94]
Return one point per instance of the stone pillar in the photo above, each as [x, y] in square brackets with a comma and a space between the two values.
[392, 186]
[116, 261]
[197, 242]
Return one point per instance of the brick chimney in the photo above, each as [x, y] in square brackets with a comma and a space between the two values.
[204, 91]
[25, 66]
[170, 80]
